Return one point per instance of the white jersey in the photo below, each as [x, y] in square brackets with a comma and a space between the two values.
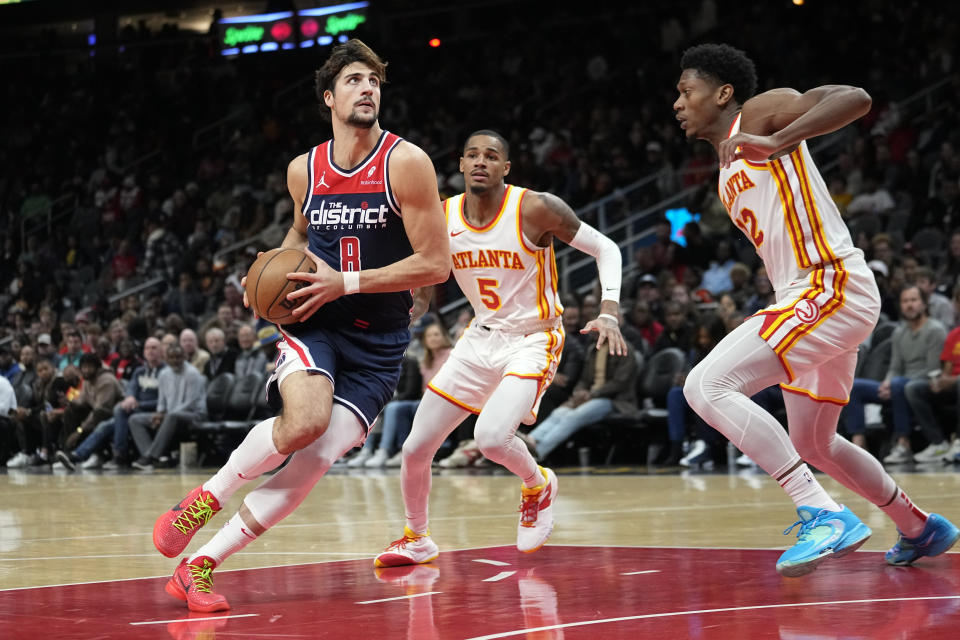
[510, 282]
[784, 208]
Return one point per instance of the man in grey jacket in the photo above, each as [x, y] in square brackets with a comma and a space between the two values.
[917, 344]
[182, 400]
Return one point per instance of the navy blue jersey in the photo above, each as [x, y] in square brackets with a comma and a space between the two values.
[354, 223]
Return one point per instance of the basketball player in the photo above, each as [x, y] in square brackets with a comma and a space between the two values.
[827, 303]
[501, 238]
[368, 211]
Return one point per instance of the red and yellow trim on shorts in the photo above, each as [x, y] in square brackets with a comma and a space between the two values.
[806, 392]
[449, 398]
[555, 340]
[834, 304]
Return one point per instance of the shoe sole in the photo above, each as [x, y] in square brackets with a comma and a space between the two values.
[377, 562]
[798, 570]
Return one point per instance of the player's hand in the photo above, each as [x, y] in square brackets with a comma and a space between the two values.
[883, 391]
[610, 333]
[243, 285]
[744, 146]
[322, 287]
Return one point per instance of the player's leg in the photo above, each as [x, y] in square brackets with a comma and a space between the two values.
[813, 426]
[719, 390]
[262, 508]
[435, 419]
[307, 400]
[495, 434]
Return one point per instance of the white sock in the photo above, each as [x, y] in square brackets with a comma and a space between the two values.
[232, 537]
[254, 456]
[805, 491]
[910, 519]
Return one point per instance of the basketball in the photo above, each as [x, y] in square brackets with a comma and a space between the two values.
[268, 286]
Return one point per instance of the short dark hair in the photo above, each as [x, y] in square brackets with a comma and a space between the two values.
[351, 51]
[726, 65]
[91, 359]
[923, 294]
[493, 134]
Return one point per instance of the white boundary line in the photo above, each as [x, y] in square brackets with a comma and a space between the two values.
[239, 615]
[413, 595]
[507, 634]
[637, 573]
[499, 576]
[496, 563]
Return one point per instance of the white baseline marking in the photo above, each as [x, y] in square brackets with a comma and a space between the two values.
[499, 576]
[239, 615]
[415, 595]
[636, 573]
[493, 562]
[507, 634]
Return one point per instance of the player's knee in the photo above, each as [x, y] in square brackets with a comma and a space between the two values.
[692, 389]
[491, 444]
[296, 431]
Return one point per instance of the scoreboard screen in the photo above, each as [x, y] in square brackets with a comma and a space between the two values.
[319, 26]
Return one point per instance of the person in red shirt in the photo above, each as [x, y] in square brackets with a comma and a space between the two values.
[939, 389]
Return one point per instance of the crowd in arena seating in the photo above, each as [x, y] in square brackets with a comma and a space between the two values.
[116, 182]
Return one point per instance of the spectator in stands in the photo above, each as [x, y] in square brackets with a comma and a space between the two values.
[677, 331]
[9, 368]
[716, 279]
[250, 359]
[941, 307]
[185, 300]
[192, 351]
[73, 350]
[606, 385]
[181, 402]
[27, 420]
[126, 361]
[8, 411]
[763, 293]
[28, 371]
[141, 395]
[641, 328]
[94, 404]
[939, 389]
[917, 344]
[163, 250]
[223, 359]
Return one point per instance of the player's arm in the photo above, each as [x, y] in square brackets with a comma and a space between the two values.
[552, 217]
[421, 302]
[780, 119]
[296, 237]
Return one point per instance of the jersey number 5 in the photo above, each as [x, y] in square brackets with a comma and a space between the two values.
[350, 253]
[488, 293]
[747, 221]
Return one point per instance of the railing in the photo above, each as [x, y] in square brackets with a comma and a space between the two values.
[137, 288]
[54, 213]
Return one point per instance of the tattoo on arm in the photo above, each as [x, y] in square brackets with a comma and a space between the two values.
[562, 220]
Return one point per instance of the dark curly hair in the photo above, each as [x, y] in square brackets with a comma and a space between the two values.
[493, 134]
[351, 51]
[726, 65]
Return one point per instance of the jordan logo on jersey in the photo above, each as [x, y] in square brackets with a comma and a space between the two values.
[806, 311]
[322, 182]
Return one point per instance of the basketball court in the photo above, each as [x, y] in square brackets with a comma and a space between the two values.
[634, 555]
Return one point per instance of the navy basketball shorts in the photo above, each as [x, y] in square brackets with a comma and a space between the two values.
[363, 366]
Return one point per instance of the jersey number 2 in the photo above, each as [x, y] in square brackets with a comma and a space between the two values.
[747, 220]
[350, 253]
[488, 293]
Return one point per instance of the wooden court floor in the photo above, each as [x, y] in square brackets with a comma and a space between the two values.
[93, 527]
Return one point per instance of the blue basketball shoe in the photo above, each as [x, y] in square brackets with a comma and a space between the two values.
[823, 534]
[938, 535]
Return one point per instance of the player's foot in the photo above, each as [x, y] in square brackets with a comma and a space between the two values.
[174, 529]
[196, 626]
[192, 583]
[412, 548]
[938, 535]
[823, 534]
[416, 578]
[536, 513]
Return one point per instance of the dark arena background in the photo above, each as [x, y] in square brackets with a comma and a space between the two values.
[144, 148]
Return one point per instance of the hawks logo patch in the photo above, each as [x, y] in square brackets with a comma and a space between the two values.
[807, 311]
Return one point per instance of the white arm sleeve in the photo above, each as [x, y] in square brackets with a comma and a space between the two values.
[607, 253]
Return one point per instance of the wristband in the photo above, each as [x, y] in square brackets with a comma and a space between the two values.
[610, 317]
[351, 282]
